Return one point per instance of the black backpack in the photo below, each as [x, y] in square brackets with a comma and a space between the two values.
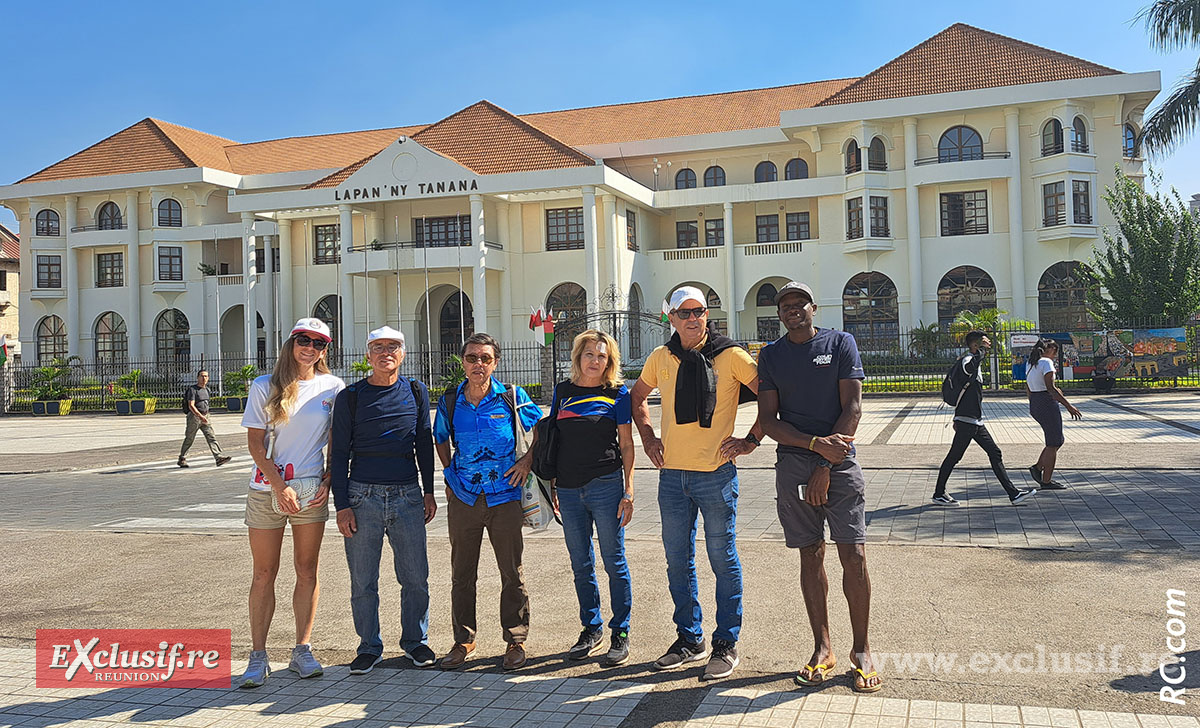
[352, 400]
[449, 402]
[955, 383]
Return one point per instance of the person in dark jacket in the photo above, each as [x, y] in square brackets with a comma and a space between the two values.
[968, 425]
[382, 440]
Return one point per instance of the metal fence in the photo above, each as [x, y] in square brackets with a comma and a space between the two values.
[1147, 354]
[94, 387]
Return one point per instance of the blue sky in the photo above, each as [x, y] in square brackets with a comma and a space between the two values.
[78, 72]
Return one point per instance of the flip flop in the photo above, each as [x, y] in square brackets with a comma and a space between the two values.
[865, 677]
[816, 674]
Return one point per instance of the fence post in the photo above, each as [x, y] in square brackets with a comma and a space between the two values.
[548, 374]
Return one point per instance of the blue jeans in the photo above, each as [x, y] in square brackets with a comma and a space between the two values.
[397, 510]
[682, 494]
[596, 502]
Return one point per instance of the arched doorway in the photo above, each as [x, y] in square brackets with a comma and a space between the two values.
[1062, 298]
[456, 321]
[172, 337]
[760, 303]
[871, 311]
[965, 288]
[567, 303]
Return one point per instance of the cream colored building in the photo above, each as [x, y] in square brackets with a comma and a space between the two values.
[965, 173]
[10, 281]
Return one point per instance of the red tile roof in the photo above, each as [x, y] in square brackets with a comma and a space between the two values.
[10, 245]
[962, 58]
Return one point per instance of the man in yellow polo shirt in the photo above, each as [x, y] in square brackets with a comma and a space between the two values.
[700, 375]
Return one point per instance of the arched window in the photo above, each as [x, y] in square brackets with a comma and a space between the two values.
[714, 176]
[1079, 142]
[766, 172]
[46, 224]
[877, 155]
[853, 157]
[568, 303]
[51, 339]
[965, 288]
[685, 179]
[172, 337]
[960, 144]
[328, 309]
[456, 321]
[1129, 145]
[712, 300]
[634, 346]
[1052, 138]
[112, 341]
[796, 169]
[170, 213]
[1062, 298]
[109, 217]
[765, 296]
[871, 311]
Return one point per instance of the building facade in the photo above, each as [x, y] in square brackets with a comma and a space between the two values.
[964, 174]
[10, 282]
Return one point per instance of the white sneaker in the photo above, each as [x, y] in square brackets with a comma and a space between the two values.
[303, 663]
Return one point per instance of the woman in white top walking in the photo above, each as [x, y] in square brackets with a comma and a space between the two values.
[288, 421]
[1044, 398]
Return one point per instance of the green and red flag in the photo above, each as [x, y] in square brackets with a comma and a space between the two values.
[3, 349]
[548, 329]
[666, 309]
[535, 318]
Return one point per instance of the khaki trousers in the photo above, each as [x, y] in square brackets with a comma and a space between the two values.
[503, 524]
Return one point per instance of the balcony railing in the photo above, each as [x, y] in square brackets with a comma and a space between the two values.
[1083, 218]
[1052, 219]
[854, 232]
[106, 226]
[1081, 147]
[1055, 148]
[855, 166]
[877, 165]
[965, 157]
[691, 253]
[791, 246]
[880, 231]
[966, 229]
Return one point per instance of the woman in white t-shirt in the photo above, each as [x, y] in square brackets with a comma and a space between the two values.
[1044, 398]
[288, 420]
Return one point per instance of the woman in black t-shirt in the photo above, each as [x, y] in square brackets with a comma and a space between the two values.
[595, 487]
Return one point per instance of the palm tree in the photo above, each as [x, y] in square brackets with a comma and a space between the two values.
[1173, 25]
[992, 321]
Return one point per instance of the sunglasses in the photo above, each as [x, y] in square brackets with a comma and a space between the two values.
[484, 359]
[389, 348]
[318, 344]
[687, 313]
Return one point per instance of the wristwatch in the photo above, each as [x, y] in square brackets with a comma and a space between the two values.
[752, 439]
[628, 497]
[823, 463]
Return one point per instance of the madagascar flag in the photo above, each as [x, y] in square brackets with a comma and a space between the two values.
[3, 349]
[548, 330]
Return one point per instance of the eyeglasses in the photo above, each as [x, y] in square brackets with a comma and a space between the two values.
[484, 359]
[687, 313]
[379, 348]
[318, 344]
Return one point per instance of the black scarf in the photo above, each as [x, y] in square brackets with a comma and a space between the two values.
[696, 384]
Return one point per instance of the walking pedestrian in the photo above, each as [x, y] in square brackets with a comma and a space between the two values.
[594, 487]
[484, 481]
[968, 424]
[810, 402]
[1044, 398]
[699, 374]
[382, 440]
[195, 403]
[287, 423]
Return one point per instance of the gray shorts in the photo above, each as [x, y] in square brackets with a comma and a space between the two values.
[803, 524]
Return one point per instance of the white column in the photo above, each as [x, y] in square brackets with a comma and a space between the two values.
[249, 271]
[592, 255]
[611, 240]
[1016, 223]
[912, 207]
[506, 305]
[346, 233]
[479, 287]
[134, 281]
[71, 283]
[285, 318]
[268, 243]
[731, 295]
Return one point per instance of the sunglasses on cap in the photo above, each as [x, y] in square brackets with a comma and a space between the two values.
[306, 340]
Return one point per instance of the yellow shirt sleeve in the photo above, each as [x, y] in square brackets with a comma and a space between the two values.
[745, 370]
[650, 368]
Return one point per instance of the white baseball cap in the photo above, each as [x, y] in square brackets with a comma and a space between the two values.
[312, 326]
[386, 333]
[684, 294]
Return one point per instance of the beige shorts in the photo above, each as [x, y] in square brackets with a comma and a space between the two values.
[260, 514]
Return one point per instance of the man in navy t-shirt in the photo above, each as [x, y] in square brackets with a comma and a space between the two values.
[381, 440]
[810, 402]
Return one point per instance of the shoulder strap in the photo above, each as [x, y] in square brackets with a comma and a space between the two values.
[449, 402]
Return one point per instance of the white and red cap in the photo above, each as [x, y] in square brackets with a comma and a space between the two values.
[313, 327]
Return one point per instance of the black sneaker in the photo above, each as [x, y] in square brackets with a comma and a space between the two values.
[681, 652]
[422, 656]
[222, 459]
[591, 641]
[1023, 496]
[183, 463]
[724, 659]
[364, 663]
[1053, 485]
[618, 653]
[944, 499]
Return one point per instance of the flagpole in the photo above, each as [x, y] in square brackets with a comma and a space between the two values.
[462, 315]
[428, 319]
[220, 372]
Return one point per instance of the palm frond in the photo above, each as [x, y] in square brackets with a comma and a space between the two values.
[1172, 24]
[1174, 119]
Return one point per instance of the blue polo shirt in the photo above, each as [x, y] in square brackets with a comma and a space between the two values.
[486, 444]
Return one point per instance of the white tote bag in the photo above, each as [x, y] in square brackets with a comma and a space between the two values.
[535, 493]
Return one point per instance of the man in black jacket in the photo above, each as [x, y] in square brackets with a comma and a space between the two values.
[968, 425]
